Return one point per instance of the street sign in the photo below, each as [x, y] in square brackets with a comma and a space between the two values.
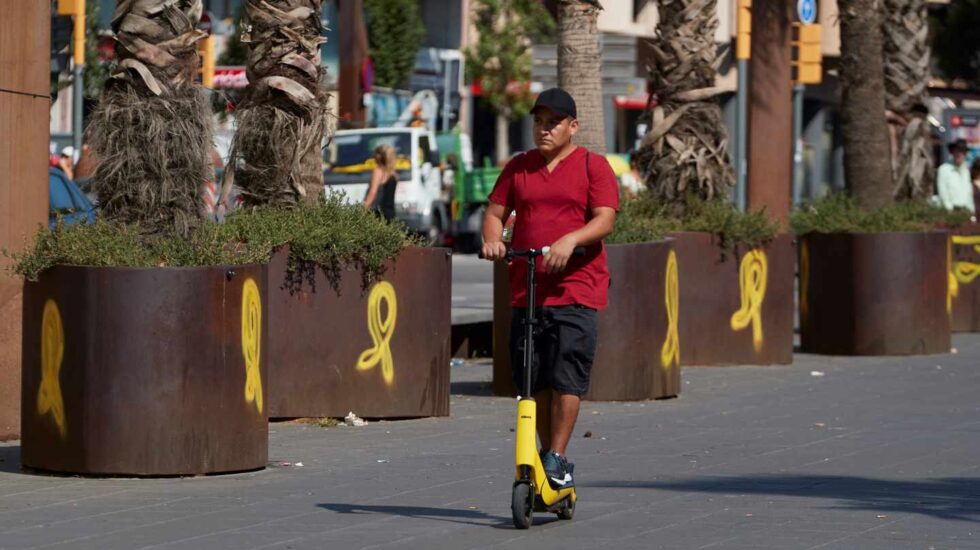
[807, 10]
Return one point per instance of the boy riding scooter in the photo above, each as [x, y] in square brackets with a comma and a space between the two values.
[565, 198]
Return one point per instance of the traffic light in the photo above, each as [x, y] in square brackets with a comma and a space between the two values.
[807, 57]
[61, 26]
[743, 33]
[75, 9]
[205, 48]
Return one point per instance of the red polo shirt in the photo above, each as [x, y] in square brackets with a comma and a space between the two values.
[548, 207]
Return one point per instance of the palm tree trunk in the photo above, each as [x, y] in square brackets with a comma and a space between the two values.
[580, 68]
[906, 67]
[283, 118]
[867, 155]
[686, 151]
[152, 129]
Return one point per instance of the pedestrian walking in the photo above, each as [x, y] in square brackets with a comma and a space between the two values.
[953, 180]
[631, 182]
[565, 197]
[384, 179]
[66, 162]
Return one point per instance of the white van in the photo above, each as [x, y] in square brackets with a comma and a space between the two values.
[349, 160]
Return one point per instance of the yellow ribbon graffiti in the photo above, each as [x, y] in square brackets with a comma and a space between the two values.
[753, 277]
[670, 354]
[252, 341]
[965, 272]
[49, 400]
[381, 331]
[953, 287]
[960, 273]
[804, 282]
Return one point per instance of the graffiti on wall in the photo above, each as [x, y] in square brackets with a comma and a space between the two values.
[252, 341]
[49, 399]
[960, 272]
[670, 354]
[753, 275]
[381, 328]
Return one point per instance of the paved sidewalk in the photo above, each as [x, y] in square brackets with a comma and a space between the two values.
[875, 453]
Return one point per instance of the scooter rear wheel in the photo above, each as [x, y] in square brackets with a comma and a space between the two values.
[520, 505]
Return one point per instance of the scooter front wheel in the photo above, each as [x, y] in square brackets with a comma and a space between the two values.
[567, 510]
[520, 505]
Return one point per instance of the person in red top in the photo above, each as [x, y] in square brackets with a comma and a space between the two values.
[564, 197]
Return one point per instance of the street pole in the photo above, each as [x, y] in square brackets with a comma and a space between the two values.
[445, 94]
[743, 51]
[742, 137]
[78, 72]
[798, 176]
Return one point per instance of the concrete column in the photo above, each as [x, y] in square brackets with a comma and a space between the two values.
[770, 151]
[24, 107]
[353, 47]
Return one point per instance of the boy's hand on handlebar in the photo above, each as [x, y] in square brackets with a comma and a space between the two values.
[494, 251]
[557, 257]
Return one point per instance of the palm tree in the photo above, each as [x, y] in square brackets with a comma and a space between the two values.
[867, 155]
[580, 67]
[500, 60]
[906, 66]
[686, 153]
[152, 129]
[282, 119]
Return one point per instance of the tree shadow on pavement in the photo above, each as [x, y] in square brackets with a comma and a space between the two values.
[10, 459]
[946, 498]
[468, 517]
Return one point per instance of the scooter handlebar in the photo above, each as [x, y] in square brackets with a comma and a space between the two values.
[511, 253]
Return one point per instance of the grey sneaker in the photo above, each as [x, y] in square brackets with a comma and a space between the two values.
[558, 470]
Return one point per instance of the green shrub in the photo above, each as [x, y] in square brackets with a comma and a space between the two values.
[331, 236]
[839, 213]
[640, 221]
[646, 218]
[734, 227]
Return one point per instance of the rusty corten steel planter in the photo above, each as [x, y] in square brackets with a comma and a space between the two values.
[156, 371]
[736, 307]
[964, 288]
[381, 353]
[636, 356]
[874, 294]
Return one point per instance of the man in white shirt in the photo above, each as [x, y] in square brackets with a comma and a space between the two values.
[953, 181]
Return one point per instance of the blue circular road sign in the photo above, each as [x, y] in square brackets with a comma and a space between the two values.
[807, 10]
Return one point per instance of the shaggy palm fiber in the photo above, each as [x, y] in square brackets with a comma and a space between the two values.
[152, 127]
[905, 33]
[283, 117]
[913, 165]
[685, 151]
[154, 155]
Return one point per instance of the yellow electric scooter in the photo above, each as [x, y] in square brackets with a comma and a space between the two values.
[532, 492]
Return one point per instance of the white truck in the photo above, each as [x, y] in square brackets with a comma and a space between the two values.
[349, 160]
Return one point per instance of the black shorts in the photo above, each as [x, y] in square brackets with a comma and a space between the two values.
[564, 348]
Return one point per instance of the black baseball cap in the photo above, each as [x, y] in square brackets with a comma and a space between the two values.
[558, 101]
[958, 146]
